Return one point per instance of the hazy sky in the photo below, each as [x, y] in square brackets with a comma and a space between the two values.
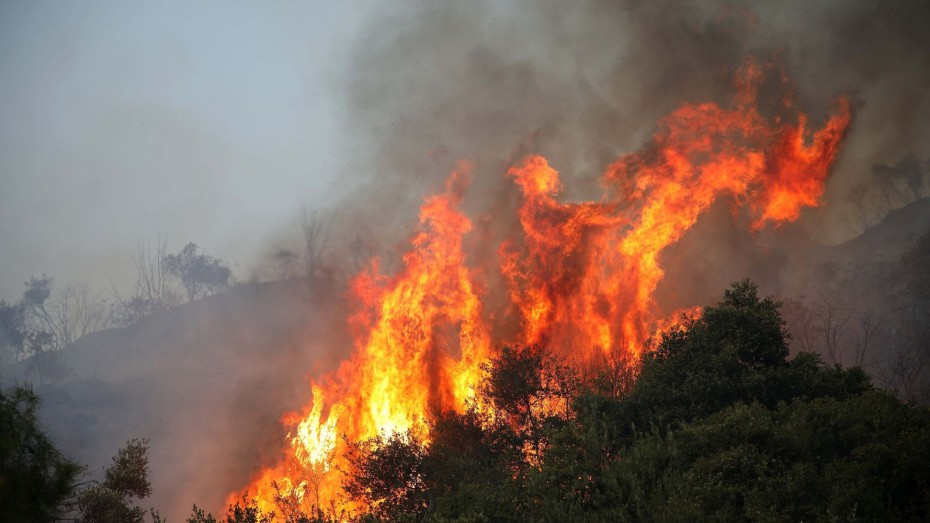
[211, 122]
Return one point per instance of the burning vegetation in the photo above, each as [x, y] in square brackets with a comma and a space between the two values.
[580, 280]
[541, 345]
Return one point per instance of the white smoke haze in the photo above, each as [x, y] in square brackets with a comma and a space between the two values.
[218, 123]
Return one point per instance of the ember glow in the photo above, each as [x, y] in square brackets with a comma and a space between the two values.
[580, 276]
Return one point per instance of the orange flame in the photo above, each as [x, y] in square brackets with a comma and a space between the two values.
[422, 343]
[581, 276]
[586, 273]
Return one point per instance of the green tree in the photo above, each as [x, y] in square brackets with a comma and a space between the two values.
[529, 390]
[111, 501]
[619, 458]
[736, 352]
[719, 425]
[36, 480]
[388, 475]
[38, 484]
[474, 468]
[859, 458]
[246, 512]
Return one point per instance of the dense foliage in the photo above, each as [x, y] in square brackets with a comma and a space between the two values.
[35, 478]
[126, 480]
[718, 425]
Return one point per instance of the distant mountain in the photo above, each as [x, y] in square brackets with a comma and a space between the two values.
[206, 382]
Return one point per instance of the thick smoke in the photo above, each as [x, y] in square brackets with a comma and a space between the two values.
[585, 82]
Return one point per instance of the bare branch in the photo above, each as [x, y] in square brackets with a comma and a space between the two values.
[316, 235]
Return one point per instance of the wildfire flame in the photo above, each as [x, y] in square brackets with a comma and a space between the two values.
[580, 276]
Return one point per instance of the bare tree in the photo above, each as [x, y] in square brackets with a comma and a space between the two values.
[906, 367]
[39, 326]
[78, 312]
[316, 235]
[74, 313]
[154, 283]
[155, 287]
[830, 323]
[800, 322]
[864, 339]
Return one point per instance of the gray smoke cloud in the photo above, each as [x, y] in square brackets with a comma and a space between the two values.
[585, 82]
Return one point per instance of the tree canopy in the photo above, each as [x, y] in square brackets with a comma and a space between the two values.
[39, 484]
[718, 425]
[36, 479]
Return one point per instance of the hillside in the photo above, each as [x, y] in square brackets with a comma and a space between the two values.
[205, 382]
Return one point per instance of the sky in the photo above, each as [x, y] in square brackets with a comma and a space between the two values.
[205, 122]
